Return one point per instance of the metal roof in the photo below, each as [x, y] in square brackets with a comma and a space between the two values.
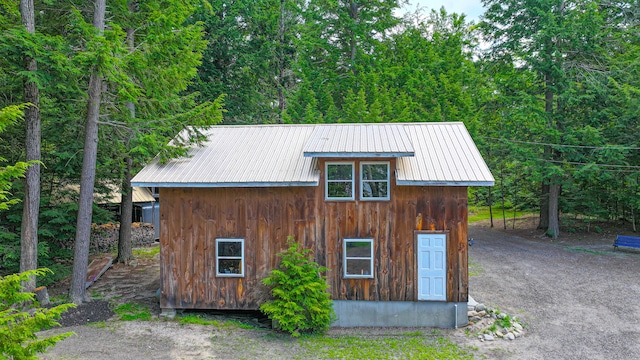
[239, 155]
[363, 140]
[114, 196]
[445, 155]
[285, 155]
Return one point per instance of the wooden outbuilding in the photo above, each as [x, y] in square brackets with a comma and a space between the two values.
[383, 206]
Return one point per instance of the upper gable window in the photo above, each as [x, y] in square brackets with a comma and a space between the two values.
[374, 180]
[340, 182]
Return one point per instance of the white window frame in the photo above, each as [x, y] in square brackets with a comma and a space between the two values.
[347, 258]
[387, 180]
[241, 257]
[327, 181]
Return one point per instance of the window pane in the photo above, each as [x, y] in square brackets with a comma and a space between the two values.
[375, 171]
[230, 248]
[339, 172]
[229, 266]
[372, 189]
[359, 249]
[339, 189]
[358, 266]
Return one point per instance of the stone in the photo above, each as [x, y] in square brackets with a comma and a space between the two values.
[504, 331]
[501, 316]
[510, 336]
[42, 295]
[475, 319]
[517, 326]
[168, 313]
[517, 334]
[480, 307]
[481, 313]
[472, 313]
[488, 337]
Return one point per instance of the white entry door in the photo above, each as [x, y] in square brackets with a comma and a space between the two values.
[432, 267]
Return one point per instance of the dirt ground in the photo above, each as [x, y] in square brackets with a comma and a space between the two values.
[577, 297]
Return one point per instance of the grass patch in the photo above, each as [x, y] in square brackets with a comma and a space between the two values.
[234, 324]
[133, 311]
[595, 252]
[146, 253]
[98, 324]
[410, 346]
[479, 213]
[474, 268]
[203, 320]
[197, 320]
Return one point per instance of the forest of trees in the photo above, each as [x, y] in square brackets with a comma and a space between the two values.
[549, 90]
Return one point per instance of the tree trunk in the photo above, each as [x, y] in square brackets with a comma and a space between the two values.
[125, 253]
[353, 13]
[554, 222]
[545, 211]
[87, 180]
[544, 206]
[490, 208]
[281, 64]
[504, 216]
[29, 227]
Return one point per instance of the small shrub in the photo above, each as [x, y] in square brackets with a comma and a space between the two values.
[18, 325]
[301, 302]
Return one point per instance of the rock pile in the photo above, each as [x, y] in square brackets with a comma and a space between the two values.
[490, 324]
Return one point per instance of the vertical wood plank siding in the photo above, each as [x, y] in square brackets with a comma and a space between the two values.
[192, 219]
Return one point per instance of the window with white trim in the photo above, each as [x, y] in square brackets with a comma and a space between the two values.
[358, 258]
[374, 180]
[340, 182]
[230, 257]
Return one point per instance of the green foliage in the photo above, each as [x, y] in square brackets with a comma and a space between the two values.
[301, 302]
[132, 312]
[18, 326]
[505, 322]
[56, 231]
[9, 115]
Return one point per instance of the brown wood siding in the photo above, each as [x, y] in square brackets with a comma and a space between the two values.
[192, 218]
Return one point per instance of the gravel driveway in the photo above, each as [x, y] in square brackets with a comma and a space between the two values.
[577, 301]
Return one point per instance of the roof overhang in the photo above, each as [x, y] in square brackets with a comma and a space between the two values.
[223, 184]
[444, 183]
[357, 154]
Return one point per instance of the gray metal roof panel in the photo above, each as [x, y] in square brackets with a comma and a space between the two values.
[239, 155]
[445, 154]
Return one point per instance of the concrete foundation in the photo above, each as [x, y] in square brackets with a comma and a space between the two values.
[400, 314]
